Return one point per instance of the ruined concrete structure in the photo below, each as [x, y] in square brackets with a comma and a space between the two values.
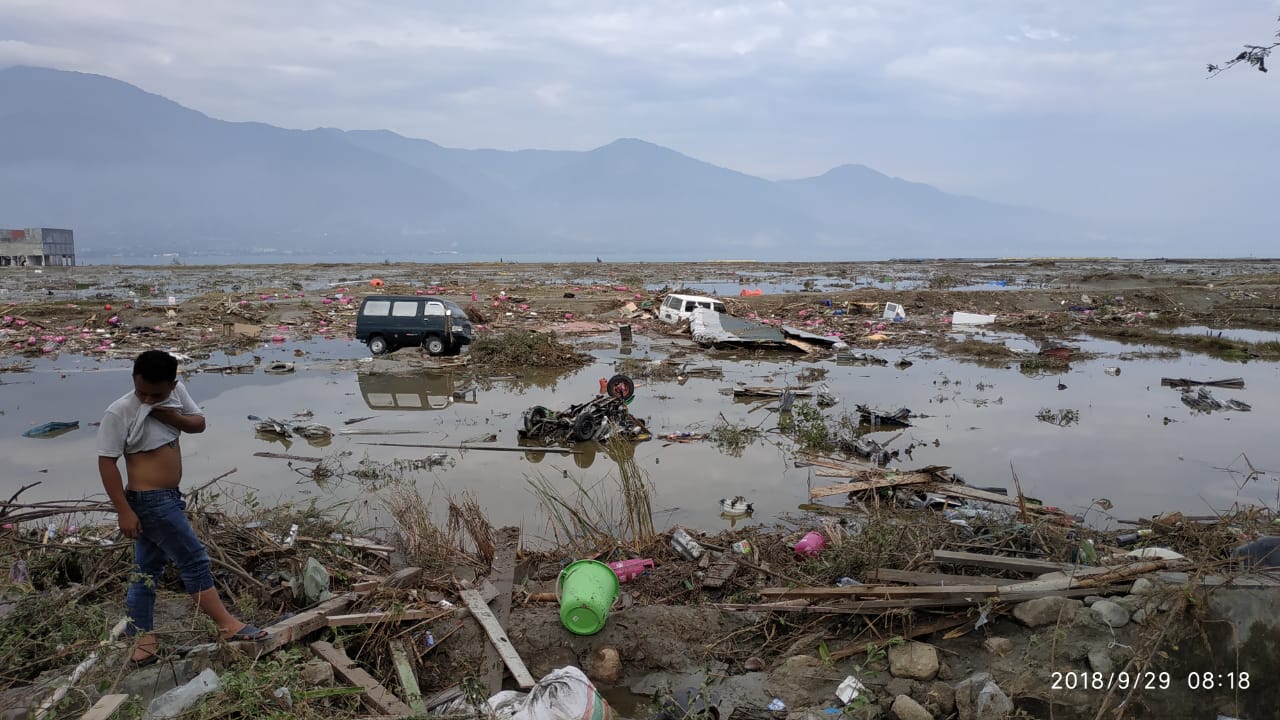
[37, 247]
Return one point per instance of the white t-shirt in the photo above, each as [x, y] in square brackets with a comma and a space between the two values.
[127, 427]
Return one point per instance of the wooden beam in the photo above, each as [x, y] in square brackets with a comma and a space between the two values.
[501, 575]
[498, 637]
[286, 456]
[884, 482]
[386, 617]
[105, 707]
[964, 491]
[378, 697]
[1022, 565]
[881, 591]
[408, 681]
[402, 577]
[917, 577]
[291, 630]
[877, 607]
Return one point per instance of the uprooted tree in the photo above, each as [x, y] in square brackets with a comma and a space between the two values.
[1255, 55]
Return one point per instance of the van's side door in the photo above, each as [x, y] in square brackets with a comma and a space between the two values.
[405, 315]
[435, 320]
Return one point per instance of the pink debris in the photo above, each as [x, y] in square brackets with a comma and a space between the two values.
[277, 338]
[568, 316]
[524, 306]
[419, 291]
[327, 301]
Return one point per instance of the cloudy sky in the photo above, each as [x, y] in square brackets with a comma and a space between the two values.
[1099, 108]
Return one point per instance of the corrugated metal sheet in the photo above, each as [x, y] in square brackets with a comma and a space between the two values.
[709, 327]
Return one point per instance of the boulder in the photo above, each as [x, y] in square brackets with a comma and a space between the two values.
[904, 708]
[914, 660]
[1046, 611]
[941, 698]
[979, 698]
[317, 673]
[605, 665]
[998, 646]
[803, 681]
[1100, 661]
[1110, 613]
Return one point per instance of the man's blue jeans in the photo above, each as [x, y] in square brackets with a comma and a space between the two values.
[166, 535]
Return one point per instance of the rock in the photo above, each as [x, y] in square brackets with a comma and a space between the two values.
[946, 672]
[1112, 614]
[898, 686]
[941, 698]
[1091, 599]
[1128, 602]
[803, 681]
[998, 646]
[1143, 586]
[904, 708]
[1100, 661]
[979, 698]
[1046, 611]
[605, 665]
[1139, 616]
[915, 660]
[317, 673]
[753, 664]
[1165, 605]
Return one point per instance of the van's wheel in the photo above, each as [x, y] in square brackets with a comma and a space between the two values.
[621, 386]
[433, 345]
[378, 345]
[585, 427]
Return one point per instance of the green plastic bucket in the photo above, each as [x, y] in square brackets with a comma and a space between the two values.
[587, 589]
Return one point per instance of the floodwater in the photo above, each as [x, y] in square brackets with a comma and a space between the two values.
[1134, 442]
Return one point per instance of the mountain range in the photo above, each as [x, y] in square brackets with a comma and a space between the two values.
[134, 172]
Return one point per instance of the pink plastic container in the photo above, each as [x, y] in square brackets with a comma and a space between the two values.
[811, 544]
[628, 570]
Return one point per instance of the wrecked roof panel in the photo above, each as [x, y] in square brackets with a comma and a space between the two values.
[709, 327]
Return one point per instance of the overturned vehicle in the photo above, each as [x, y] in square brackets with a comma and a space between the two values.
[603, 417]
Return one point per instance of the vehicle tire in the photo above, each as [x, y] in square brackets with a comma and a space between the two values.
[621, 386]
[585, 426]
[534, 418]
[433, 345]
[378, 345]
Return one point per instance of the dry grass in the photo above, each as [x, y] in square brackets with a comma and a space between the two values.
[595, 518]
[468, 515]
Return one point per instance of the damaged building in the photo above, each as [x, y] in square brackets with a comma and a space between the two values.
[37, 247]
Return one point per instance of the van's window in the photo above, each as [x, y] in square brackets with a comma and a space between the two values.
[718, 307]
[405, 308]
[380, 308]
[435, 308]
[689, 306]
[673, 303]
[704, 304]
[455, 308]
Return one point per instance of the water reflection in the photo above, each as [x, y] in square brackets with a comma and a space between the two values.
[421, 391]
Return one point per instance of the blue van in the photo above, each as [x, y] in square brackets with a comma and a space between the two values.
[387, 323]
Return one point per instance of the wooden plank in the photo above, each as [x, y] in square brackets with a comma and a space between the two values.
[380, 698]
[720, 573]
[895, 481]
[501, 575]
[291, 630]
[402, 577]
[386, 617]
[286, 456]
[876, 607]
[880, 591]
[916, 577]
[498, 637]
[967, 492]
[408, 681]
[105, 707]
[1023, 565]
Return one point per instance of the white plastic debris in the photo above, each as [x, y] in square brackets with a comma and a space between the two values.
[174, 702]
[894, 312]
[851, 688]
[968, 318]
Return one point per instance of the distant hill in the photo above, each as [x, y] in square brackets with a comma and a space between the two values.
[133, 171]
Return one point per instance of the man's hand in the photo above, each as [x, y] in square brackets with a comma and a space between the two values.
[167, 415]
[130, 525]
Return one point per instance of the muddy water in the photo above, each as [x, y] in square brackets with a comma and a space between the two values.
[1134, 443]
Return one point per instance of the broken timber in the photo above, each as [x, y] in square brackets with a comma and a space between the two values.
[291, 630]
[994, 562]
[502, 572]
[498, 637]
[916, 577]
[408, 681]
[105, 707]
[286, 456]
[884, 482]
[373, 618]
[378, 696]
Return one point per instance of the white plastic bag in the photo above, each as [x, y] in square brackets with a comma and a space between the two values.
[174, 702]
[563, 694]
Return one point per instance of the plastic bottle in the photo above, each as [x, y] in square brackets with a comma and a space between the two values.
[811, 544]
[628, 570]
[172, 703]
[685, 545]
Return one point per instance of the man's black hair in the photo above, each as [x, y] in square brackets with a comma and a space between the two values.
[156, 366]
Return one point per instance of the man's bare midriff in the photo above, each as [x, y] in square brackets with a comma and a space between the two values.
[159, 469]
